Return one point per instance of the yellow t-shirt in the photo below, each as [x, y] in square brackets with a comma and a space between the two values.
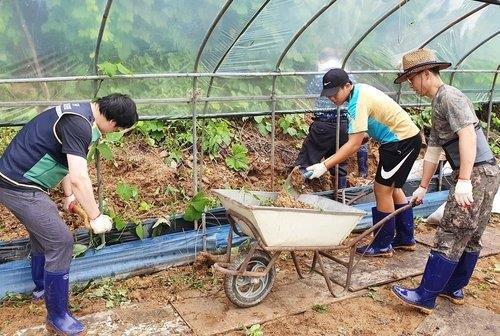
[372, 111]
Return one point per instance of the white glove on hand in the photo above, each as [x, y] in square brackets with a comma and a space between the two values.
[67, 202]
[463, 193]
[418, 195]
[317, 170]
[101, 224]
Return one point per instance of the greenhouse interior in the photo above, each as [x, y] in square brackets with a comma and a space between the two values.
[224, 104]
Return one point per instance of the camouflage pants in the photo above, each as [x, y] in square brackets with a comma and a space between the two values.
[461, 228]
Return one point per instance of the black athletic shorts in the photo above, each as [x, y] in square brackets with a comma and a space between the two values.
[396, 160]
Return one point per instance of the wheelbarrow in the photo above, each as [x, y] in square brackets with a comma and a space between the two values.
[249, 278]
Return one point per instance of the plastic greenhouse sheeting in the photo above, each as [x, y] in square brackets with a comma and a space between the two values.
[171, 39]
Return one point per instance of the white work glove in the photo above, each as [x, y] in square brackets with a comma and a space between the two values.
[463, 193]
[315, 171]
[101, 224]
[67, 202]
[418, 195]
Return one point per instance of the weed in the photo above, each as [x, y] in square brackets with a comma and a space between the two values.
[238, 159]
[372, 293]
[254, 330]
[320, 308]
[107, 291]
[15, 299]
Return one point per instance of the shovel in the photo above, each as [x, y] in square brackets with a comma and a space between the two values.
[287, 186]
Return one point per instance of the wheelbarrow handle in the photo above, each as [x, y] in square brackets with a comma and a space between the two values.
[384, 220]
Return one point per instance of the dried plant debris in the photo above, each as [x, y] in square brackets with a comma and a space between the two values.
[286, 200]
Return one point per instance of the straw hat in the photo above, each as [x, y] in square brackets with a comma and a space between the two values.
[417, 61]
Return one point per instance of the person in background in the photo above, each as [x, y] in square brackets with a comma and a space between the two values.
[321, 139]
[455, 129]
[51, 148]
[372, 111]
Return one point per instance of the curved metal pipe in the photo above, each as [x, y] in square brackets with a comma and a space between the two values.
[252, 19]
[99, 40]
[379, 21]
[490, 104]
[195, 96]
[470, 52]
[301, 30]
[463, 17]
[209, 33]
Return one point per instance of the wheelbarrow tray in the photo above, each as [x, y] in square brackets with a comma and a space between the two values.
[327, 225]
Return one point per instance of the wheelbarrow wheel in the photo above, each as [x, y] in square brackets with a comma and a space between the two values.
[245, 291]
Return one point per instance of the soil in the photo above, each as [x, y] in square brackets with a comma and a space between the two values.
[167, 189]
[376, 313]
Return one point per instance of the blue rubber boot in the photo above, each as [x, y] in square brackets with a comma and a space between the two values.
[404, 238]
[342, 182]
[363, 161]
[436, 275]
[59, 319]
[460, 278]
[381, 245]
[37, 273]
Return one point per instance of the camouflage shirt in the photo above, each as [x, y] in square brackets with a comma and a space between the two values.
[451, 111]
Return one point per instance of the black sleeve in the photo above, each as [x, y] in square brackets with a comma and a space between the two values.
[75, 134]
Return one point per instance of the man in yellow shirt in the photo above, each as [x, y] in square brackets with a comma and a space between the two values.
[372, 111]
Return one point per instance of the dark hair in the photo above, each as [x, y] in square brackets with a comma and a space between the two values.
[118, 107]
[435, 70]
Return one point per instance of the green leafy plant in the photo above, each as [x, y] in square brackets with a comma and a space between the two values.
[254, 330]
[422, 117]
[263, 125]
[110, 69]
[126, 192]
[154, 131]
[293, 125]
[196, 207]
[79, 250]
[238, 159]
[104, 145]
[217, 135]
[109, 292]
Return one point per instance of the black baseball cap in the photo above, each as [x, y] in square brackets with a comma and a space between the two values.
[333, 80]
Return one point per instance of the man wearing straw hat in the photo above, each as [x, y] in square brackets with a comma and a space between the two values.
[372, 111]
[455, 129]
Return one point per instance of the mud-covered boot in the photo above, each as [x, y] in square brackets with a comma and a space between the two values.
[59, 319]
[381, 244]
[404, 239]
[438, 271]
[460, 278]
[37, 274]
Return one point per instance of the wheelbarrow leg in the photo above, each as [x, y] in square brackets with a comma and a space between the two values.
[296, 263]
[229, 245]
[313, 264]
[325, 275]
[350, 267]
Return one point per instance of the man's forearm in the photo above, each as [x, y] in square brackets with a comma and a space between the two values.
[342, 154]
[427, 172]
[66, 184]
[84, 193]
